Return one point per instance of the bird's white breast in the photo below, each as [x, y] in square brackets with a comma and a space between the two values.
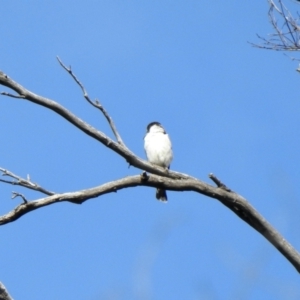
[158, 148]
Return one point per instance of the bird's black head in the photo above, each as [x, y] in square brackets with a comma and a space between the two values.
[151, 124]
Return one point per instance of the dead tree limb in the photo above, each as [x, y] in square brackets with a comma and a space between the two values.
[129, 156]
[3, 293]
[27, 183]
[286, 27]
[159, 177]
[95, 103]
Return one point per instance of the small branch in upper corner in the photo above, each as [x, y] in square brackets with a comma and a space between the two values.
[95, 103]
[286, 29]
[15, 194]
[219, 183]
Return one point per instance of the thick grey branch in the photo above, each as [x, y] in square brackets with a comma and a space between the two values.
[168, 179]
[3, 293]
[130, 157]
[233, 201]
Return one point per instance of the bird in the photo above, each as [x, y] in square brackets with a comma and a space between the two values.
[158, 148]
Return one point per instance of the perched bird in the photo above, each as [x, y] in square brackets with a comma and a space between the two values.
[158, 149]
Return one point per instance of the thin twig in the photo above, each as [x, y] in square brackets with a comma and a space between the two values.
[12, 95]
[287, 30]
[27, 183]
[288, 21]
[218, 182]
[16, 194]
[95, 103]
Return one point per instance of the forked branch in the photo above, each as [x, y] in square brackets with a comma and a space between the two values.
[27, 183]
[286, 36]
[159, 177]
[95, 103]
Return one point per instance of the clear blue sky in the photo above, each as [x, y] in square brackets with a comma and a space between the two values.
[229, 108]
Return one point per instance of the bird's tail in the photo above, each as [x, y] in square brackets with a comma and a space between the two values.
[161, 195]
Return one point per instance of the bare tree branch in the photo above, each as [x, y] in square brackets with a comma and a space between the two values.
[12, 95]
[286, 27]
[167, 179]
[23, 182]
[218, 182]
[16, 194]
[130, 157]
[94, 103]
[236, 203]
[3, 293]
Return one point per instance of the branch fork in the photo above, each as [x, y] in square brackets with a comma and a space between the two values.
[158, 177]
[286, 27]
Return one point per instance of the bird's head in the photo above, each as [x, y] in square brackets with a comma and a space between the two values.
[155, 127]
